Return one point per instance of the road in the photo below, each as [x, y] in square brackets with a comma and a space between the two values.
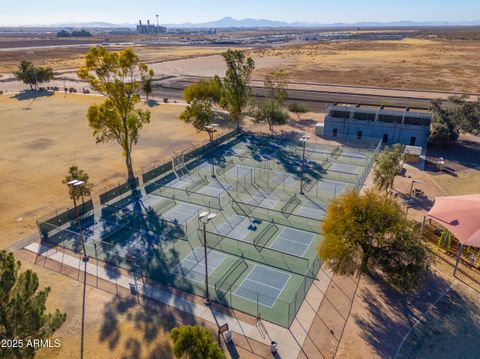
[316, 96]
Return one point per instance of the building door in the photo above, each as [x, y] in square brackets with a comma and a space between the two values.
[359, 135]
[385, 138]
[413, 139]
[334, 134]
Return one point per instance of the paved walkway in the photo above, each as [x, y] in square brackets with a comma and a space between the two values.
[289, 340]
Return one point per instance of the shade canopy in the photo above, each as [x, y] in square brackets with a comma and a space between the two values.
[460, 215]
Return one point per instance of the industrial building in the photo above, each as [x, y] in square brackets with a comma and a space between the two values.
[150, 29]
[407, 126]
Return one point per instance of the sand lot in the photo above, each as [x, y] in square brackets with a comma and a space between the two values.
[448, 65]
[37, 146]
[409, 63]
[66, 58]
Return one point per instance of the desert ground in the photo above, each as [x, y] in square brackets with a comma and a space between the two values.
[413, 63]
[37, 147]
[70, 58]
[447, 65]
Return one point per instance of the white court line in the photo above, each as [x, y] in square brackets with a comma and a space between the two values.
[269, 268]
[295, 230]
[187, 272]
[280, 238]
[284, 239]
[263, 284]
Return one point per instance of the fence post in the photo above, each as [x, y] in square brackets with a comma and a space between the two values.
[305, 286]
[257, 305]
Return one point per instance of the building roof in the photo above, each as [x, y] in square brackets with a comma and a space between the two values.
[460, 215]
[381, 107]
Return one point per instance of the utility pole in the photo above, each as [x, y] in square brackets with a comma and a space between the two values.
[204, 218]
[211, 129]
[410, 196]
[74, 184]
[304, 139]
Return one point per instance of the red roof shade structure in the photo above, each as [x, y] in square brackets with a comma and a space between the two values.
[460, 215]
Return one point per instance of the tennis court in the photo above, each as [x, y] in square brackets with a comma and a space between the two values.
[214, 189]
[263, 285]
[181, 183]
[346, 168]
[312, 209]
[293, 241]
[239, 171]
[193, 265]
[182, 213]
[236, 227]
[262, 242]
[266, 200]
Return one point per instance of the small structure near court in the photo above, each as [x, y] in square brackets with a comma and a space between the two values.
[461, 216]
[407, 126]
[412, 154]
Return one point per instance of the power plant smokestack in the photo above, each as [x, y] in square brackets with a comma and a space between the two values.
[140, 22]
[148, 22]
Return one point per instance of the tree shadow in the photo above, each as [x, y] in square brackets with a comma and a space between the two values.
[302, 124]
[459, 155]
[450, 330]
[31, 94]
[416, 202]
[391, 313]
[150, 322]
[279, 149]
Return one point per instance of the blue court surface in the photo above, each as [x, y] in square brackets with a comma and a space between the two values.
[354, 154]
[239, 171]
[236, 227]
[312, 210]
[181, 183]
[193, 265]
[265, 200]
[331, 186]
[214, 189]
[342, 167]
[263, 284]
[293, 241]
[182, 213]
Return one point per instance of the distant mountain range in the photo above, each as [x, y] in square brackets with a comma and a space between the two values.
[230, 22]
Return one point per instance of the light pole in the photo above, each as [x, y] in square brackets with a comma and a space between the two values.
[204, 218]
[74, 184]
[211, 129]
[304, 139]
[410, 196]
[158, 27]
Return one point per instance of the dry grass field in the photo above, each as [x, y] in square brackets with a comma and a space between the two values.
[68, 58]
[448, 65]
[37, 146]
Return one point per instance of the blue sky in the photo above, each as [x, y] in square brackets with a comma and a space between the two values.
[176, 11]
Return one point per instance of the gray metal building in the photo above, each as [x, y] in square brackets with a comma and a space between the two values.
[391, 124]
[150, 29]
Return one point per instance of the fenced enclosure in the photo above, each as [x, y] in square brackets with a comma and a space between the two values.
[261, 246]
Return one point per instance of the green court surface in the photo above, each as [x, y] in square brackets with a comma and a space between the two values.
[261, 246]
